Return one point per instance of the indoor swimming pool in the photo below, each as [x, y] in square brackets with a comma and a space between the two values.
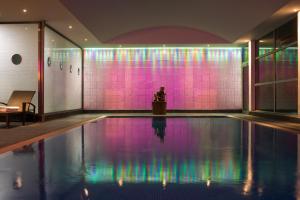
[156, 158]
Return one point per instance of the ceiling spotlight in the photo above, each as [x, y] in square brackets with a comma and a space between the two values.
[70, 27]
[296, 10]
[85, 39]
[24, 10]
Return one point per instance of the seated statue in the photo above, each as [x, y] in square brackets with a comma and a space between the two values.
[159, 104]
[160, 95]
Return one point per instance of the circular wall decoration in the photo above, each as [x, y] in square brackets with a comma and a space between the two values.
[78, 71]
[16, 59]
[49, 61]
[61, 66]
[71, 68]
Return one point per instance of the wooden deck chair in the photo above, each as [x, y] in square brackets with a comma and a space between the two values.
[20, 104]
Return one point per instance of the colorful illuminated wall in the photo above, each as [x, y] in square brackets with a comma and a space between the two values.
[194, 78]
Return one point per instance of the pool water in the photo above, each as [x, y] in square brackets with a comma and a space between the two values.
[156, 158]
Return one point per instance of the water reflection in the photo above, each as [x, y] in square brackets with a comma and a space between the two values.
[18, 181]
[159, 125]
[41, 164]
[84, 194]
[115, 157]
[249, 176]
[297, 187]
[24, 149]
[184, 158]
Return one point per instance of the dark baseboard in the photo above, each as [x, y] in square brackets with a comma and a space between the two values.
[275, 116]
[205, 111]
[61, 114]
[117, 111]
[168, 111]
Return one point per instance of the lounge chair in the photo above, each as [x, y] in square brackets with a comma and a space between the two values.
[19, 104]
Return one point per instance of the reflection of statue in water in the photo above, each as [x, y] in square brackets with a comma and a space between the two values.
[159, 124]
[160, 95]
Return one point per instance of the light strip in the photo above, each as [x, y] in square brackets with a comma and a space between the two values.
[133, 48]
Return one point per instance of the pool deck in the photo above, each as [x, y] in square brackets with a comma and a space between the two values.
[16, 137]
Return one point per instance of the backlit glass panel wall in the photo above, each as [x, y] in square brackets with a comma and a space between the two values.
[286, 74]
[62, 61]
[19, 39]
[245, 74]
[194, 78]
[276, 70]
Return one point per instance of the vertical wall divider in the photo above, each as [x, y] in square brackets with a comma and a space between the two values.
[275, 74]
[41, 88]
[251, 75]
[82, 78]
[298, 88]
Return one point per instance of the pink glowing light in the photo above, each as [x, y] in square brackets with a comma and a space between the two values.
[194, 78]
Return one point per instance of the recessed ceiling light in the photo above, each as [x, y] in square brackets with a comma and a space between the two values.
[52, 40]
[85, 39]
[70, 27]
[24, 10]
[296, 10]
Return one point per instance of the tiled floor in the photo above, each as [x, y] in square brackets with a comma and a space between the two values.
[23, 135]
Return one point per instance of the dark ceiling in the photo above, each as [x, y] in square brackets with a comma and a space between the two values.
[225, 19]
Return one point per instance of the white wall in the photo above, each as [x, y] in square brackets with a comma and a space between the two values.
[62, 88]
[18, 39]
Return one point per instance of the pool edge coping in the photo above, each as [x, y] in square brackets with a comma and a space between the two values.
[61, 131]
[42, 136]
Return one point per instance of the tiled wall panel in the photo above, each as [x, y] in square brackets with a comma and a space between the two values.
[62, 85]
[194, 78]
[18, 39]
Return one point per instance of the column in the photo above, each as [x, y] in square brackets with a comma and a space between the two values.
[251, 74]
[41, 71]
[298, 28]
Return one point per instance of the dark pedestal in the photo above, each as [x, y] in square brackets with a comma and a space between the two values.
[159, 107]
